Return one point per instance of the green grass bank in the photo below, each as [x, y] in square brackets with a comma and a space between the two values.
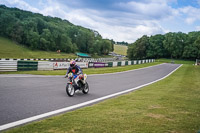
[10, 49]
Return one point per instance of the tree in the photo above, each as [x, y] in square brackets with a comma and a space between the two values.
[33, 40]
[131, 50]
[138, 50]
[112, 42]
[47, 33]
[174, 43]
[156, 49]
[190, 52]
[106, 46]
[17, 32]
[65, 44]
[46, 40]
[43, 44]
[197, 45]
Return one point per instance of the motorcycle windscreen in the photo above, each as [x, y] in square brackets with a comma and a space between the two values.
[75, 76]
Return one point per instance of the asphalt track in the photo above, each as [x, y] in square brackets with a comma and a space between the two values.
[25, 96]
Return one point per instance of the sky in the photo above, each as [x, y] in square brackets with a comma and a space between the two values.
[120, 20]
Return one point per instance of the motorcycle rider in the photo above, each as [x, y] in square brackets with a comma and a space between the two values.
[75, 69]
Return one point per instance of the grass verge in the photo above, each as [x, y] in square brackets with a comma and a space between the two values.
[171, 105]
[176, 61]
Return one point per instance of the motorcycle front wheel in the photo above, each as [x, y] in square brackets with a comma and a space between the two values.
[86, 88]
[70, 90]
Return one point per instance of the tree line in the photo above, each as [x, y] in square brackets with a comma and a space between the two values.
[48, 33]
[122, 43]
[171, 45]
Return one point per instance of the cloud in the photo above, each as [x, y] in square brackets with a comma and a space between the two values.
[153, 11]
[121, 20]
[20, 4]
[198, 28]
[191, 14]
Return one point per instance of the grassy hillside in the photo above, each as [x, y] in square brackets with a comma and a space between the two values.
[10, 49]
[48, 33]
[120, 49]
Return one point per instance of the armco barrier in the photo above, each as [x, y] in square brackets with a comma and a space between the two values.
[129, 62]
[133, 62]
[122, 63]
[110, 64]
[38, 59]
[119, 63]
[22, 65]
[6, 65]
[45, 65]
[115, 64]
[27, 65]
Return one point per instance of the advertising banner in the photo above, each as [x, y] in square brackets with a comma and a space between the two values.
[82, 64]
[65, 65]
[106, 65]
[99, 64]
[60, 65]
[91, 64]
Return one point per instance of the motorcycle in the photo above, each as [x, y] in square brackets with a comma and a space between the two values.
[77, 83]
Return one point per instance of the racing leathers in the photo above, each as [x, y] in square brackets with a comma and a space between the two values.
[75, 70]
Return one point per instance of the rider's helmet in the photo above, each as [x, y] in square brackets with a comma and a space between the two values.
[72, 63]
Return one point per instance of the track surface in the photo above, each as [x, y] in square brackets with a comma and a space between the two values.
[24, 96]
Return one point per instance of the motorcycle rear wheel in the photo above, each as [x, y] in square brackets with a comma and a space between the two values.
[70, 90]
[86, 88]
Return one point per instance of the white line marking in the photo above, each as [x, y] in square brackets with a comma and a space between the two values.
[20, 122]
